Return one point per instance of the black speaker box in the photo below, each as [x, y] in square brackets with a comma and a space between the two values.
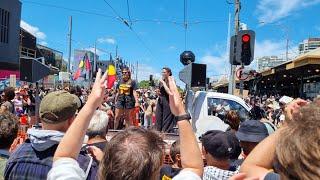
[32, 70]
[194, 75]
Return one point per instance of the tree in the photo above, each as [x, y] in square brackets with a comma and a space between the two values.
[144, 84]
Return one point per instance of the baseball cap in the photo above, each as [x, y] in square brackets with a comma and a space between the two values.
[58, 106]
[252, 131]
[219, 144]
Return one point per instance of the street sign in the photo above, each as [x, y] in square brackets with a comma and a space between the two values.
[242, 74]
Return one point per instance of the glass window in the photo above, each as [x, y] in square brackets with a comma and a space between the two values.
[4, 26]
[219, 107]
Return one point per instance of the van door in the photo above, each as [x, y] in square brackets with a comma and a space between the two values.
[209, 120]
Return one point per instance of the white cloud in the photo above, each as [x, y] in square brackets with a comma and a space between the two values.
[172, 48]
[44, 43]
[145, 70]
[33, 30]
[99, 52]
[107, 40]
[318, 28]
[273, 48]
[217, 65]
[272, 10]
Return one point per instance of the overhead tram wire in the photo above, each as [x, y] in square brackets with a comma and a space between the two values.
[128, 9]
[70, 9]
[117, 18]
[130, 27]
[121, 19]
[185, 23]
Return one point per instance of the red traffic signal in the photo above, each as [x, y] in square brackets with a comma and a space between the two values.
[245, 38]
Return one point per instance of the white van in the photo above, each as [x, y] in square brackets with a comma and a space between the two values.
[205, 107]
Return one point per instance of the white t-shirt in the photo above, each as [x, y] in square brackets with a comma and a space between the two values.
[69, 169]
[66, 168]
[186, 175]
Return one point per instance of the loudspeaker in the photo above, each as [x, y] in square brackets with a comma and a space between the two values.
[194, 75]
[32, 70]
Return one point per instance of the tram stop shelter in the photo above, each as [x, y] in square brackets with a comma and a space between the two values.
[299, 77]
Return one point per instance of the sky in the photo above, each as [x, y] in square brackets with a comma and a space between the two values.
[157, 34]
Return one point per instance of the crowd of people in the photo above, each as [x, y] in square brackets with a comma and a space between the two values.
[68, 139]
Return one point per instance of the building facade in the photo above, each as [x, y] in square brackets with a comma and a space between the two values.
[308, 45]
[10, 14]
[28, 44]
[267, 62]
[52, 57]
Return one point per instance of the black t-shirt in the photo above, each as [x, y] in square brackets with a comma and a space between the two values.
[167, 172]
[127, 88]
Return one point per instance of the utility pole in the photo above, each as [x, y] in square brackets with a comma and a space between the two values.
[137, 72]
[228, 39]
[231, 86]
[116, 51]
[70, 35]
[228, 52]
[287, 46]
[94, 58]
[237, 23]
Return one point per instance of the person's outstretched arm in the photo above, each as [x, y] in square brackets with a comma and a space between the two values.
[259, 161]
[71, 142]
[191, 158]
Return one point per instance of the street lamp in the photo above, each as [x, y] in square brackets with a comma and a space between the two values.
[284, 28]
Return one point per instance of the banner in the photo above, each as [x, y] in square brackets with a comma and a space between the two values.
[12, 80]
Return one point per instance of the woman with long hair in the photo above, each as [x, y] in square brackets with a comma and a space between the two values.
[126, 99]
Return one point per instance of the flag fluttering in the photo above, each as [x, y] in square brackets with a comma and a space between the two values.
[81, 64]
[111, 78]
[77, 74]
[88, 65]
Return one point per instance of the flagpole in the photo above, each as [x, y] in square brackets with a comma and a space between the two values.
[69, 55]
[94, 59]
[137, 73]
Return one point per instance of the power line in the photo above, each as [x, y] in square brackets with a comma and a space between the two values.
[128, 8]
[118, 15]
[205, 21]
[200, 21]
[130, 27]
[142, 42]
[185, 23]
[70, 9]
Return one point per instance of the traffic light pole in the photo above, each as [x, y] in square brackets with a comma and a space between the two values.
[231, 86]
[70, 39]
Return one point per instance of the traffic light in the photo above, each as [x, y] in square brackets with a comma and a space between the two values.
[151, 81]
[245, 46]
[232, 54]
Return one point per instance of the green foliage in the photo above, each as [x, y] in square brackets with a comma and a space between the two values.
[144, 84]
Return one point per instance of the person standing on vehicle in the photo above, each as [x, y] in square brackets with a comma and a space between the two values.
[126, 98]
[164, 118]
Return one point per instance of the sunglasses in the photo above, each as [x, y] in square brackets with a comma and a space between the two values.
[125, 72]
